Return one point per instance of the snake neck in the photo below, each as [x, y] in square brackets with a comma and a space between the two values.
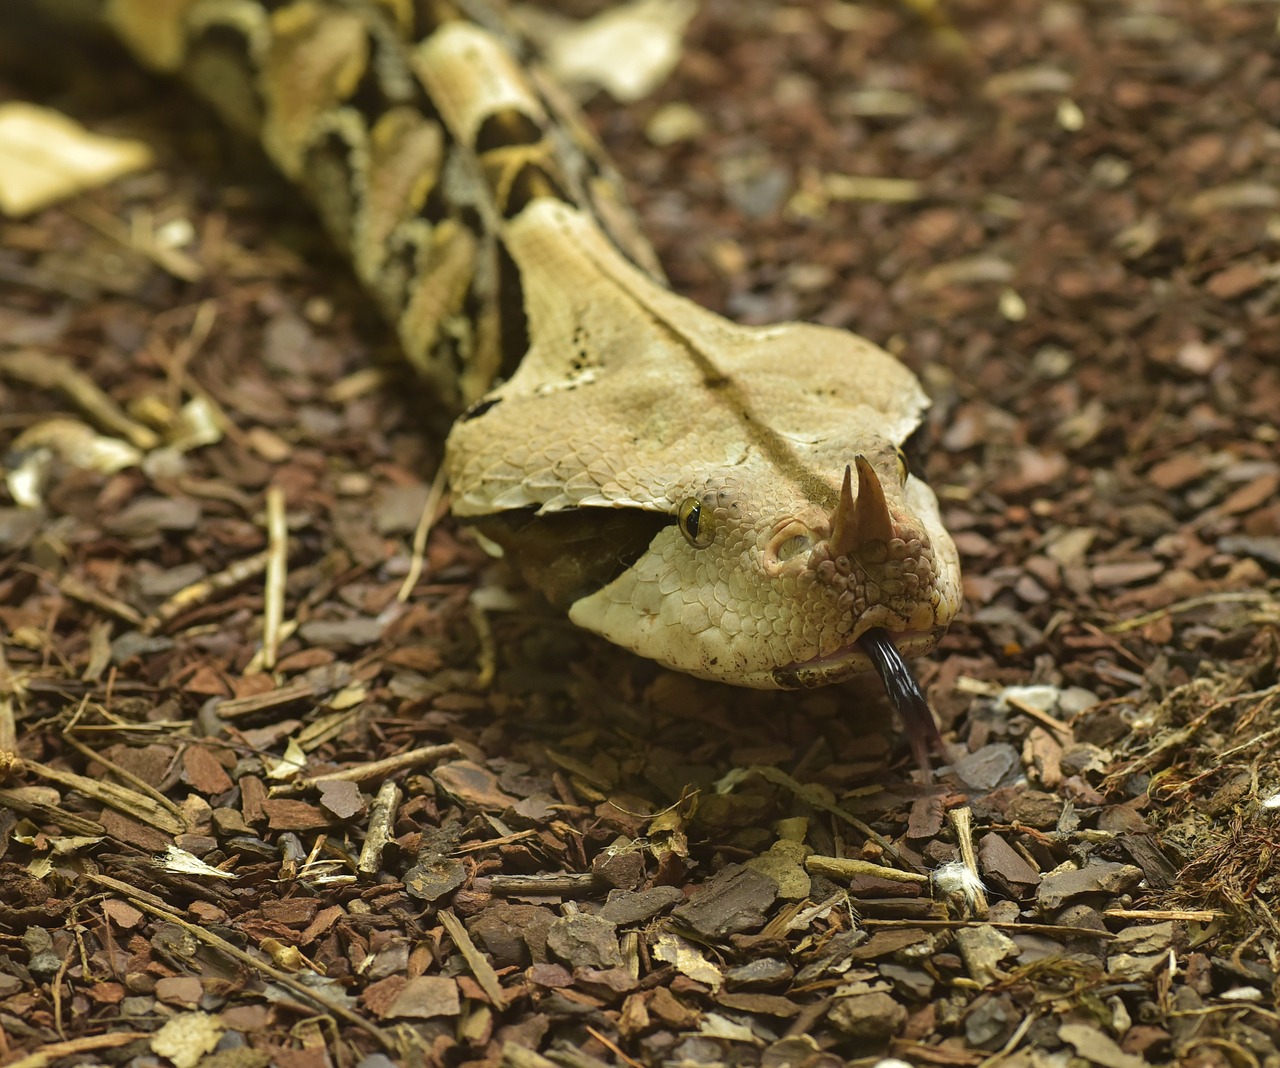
[420, 136]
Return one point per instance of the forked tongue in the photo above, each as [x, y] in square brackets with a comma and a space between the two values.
[904, 693]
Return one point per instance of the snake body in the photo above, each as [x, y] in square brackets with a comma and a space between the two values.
[732, 502]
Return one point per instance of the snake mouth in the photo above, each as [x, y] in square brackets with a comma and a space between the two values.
[850, 660]
[884, 652]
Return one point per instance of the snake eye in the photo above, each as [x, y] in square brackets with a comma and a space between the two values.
[696, 526]
[904, 465]
[794, 546]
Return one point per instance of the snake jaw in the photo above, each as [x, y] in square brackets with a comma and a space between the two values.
[850, 659]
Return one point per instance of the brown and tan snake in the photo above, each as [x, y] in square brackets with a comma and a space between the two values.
[732, 502]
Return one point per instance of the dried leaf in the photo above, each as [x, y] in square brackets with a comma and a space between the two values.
[627, 50]
[289, 765]
[187, 1038]
[688, 960]
[46, 157]
[181, 862]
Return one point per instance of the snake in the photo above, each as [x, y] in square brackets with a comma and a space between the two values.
[734, 502]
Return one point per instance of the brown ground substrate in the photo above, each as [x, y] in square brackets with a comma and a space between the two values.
[572, 856]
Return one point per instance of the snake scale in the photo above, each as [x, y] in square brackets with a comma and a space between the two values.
[732, 502]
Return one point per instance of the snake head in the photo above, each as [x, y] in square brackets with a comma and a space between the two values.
[730, 501]
[776, 592]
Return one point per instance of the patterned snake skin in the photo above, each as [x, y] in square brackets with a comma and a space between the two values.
[733, 502]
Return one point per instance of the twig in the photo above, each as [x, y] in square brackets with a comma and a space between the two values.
[476, 961]
[1063, 730]
[374, 769]
[204, 590]
[1189, 605]
[55, 1051]
[426, 521]
[381, 817]
[130, 802]
[613, 1048]
[569, 884]
[1011, 925]
[1190, 915]
[133, 780]
[848, 868]
[961, 820]
[46, 370]
[277, 569]
[487, 654]
[79, 590]
[235, 953]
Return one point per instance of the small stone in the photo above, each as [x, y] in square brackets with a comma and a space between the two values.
[1034, 808]
[151, 515]
[399, 508]
[513, 934]
[427, 997]
[1098, 1048]
[391, 960]
[869, 1017]
[1152, 938]
[359, 630]
[1096, 877]
[731, 901]
[1126, 573]
[635, 906]
[42, 960]
[198, 845]
[764, 972]
[1263, 548]
[991, 1022]
[134, 643]
[1083, 916]
[625, 871]
[435, 878]
[907, 979]
[802, 1049]
[141, 1005]
[988, 767]
[982, 949]
[183, 990]
[1136, 966]
[342, 798]
[674, 122]
[585, 942]
[1004, 866]
[472, 785]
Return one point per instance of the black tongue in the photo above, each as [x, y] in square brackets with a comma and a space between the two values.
[904, 693]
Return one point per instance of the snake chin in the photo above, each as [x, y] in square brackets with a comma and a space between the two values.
[849, 661]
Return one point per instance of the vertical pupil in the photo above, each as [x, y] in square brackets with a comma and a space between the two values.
[691, 521]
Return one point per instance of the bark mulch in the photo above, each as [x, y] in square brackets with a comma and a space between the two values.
[449, 829]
